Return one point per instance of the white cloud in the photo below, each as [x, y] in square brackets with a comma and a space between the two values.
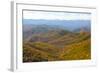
[55, 15]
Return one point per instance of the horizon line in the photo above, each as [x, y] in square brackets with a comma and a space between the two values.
[59, 19]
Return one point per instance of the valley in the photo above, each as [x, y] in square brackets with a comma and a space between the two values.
[53, 43]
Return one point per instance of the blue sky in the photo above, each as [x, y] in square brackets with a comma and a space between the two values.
[56, 15]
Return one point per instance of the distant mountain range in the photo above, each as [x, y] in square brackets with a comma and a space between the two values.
[71, 25]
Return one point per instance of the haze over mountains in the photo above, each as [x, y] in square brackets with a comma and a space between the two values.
[64, 24]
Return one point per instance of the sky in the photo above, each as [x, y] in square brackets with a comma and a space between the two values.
[56, 15]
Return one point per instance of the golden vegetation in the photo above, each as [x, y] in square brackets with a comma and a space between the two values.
[58, 46]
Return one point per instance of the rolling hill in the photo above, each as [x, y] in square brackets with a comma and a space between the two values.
[45, 42]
